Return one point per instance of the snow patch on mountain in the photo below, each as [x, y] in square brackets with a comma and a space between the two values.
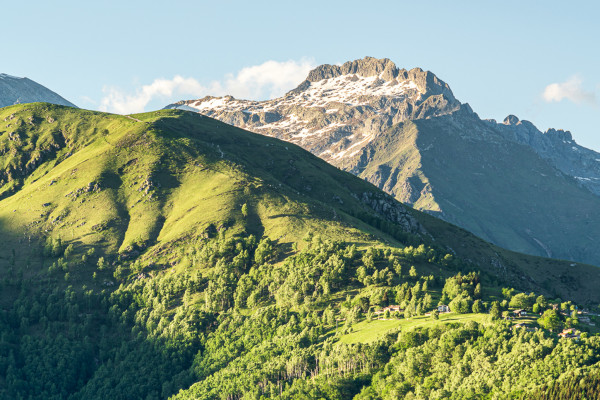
[353, 90]
[337, 110]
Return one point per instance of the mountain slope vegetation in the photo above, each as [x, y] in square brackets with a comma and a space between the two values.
[169, 254]
[405, 132]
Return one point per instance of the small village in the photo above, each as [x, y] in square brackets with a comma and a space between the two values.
[577, 321]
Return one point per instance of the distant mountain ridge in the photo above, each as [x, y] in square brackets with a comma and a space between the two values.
[15, 90]
[558, 147]
[405, 132]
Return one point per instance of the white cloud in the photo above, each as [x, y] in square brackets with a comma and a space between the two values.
[572, 89]
[267, 80]
[122, 103]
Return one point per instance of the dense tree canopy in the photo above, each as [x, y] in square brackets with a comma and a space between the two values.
[244, 321]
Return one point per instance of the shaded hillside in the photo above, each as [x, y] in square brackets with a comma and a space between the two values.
[460, 169]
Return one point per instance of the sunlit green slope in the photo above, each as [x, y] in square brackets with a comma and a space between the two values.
[124, 184]
[168, 254]
[129, 186]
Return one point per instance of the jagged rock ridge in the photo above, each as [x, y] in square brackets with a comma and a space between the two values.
[337, 110]
[558, 147]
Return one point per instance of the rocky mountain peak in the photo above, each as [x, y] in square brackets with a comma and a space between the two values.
[511, 120]
[366, 67]
[559, 134]
[383, 72]
[338, 109]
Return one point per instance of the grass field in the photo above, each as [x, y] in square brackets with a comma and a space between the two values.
[367, 332]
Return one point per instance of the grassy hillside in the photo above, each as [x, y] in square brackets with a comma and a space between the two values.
[122, 184]
[216, 263]
[371, 331]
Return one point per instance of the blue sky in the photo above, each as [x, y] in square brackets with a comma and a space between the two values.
[539, 60]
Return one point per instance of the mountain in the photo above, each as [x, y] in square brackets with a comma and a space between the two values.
[124, 184]
[14, 90]
[218, 263]
[405, 132]
[558, 148]
[337, 110]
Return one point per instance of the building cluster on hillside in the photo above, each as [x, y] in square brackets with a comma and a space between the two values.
[396, 308]
[570, 333]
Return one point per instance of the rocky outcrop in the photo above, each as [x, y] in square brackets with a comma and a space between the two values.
[392, 211]
[385, 70]
[366, 67]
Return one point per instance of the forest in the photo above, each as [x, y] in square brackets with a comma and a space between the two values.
[248, 321]
[156, 257]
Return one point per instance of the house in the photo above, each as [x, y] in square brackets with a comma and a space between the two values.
[391, 309]
[569, 333]
[519, 313]
[443, 308]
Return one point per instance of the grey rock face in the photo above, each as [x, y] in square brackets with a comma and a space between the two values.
[558, 148]
[390, 210]
[337, 110]
[366, 67]
[385, 70]
[14, 90]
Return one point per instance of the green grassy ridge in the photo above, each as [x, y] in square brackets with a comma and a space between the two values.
[199, 307]
[146, 182]
[170, 177]
[33, 141]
